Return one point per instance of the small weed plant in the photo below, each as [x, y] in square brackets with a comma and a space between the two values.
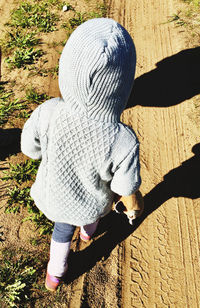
[8, 105]
[18, 38]
[54, 71]
[23, 57]
[19, 196]
[101, 11]
[79, 18]
[7, 108]
[22, 172]
[32, 96]
[16, 280]
[35, 15]
[189, 17]
[177, 19]
[27, 21]
[196, 3]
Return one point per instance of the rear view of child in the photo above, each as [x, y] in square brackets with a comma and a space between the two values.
[88, 155]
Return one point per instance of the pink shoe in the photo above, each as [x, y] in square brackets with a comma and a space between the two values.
[87, 231]
[84, 238]
[52, 282]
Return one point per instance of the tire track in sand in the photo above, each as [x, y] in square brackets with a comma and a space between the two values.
[161, 258]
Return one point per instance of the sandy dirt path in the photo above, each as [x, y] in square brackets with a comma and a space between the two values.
[156, 263]
[160, 260]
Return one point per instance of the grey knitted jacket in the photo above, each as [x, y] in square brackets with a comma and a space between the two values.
[87, 154]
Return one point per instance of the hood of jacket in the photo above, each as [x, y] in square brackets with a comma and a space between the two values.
[96, 69]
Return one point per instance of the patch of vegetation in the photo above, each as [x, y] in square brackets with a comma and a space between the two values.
[32, 96]
[17, 38]
[101, 10]
[189, 17]
[24, 114]
[19, 197]
[74, 22]
[177, 19]
[40, 221]
[8, 105]
[17, 278]
[29, 19]
[54, 71]
[22, 172]
[34, 15]
[3, 94]
[23, 57]
[79, 18]
[193, 2]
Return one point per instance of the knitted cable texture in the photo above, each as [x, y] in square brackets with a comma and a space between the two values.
[97, 69]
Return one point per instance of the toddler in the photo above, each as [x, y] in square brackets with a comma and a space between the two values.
[88, 155]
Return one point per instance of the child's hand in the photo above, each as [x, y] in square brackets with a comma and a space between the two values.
[133, 205]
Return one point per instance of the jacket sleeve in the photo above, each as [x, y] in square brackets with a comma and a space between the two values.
[126, 179]
[30, 138]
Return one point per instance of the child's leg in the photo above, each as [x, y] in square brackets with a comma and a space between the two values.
[59, 249]
[88, 230]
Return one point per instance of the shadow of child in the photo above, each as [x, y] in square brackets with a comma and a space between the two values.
[179, 182]
[116, 228]
[9, 142]
[175, 79]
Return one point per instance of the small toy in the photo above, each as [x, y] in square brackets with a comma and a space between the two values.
[120, 208]
[132, 206]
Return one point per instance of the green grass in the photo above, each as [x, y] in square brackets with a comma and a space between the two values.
[191, 16]
[74, 22]
[32, 18]
[54, 71]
